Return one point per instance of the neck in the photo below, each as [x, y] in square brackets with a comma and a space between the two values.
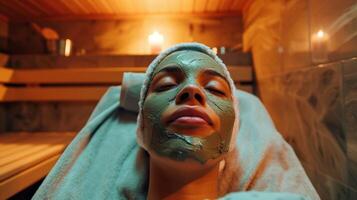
[168, 183]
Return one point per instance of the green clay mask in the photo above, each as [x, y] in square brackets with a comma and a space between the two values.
[177, 72]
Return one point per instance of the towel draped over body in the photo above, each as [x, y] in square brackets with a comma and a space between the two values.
[104, 161]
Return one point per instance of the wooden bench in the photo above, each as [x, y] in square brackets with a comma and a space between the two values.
[27, 157]
[77, 84]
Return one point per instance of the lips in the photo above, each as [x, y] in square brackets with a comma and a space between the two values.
[189, 115]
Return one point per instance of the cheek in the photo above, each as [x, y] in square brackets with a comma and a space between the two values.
[224, 108]
[155, 104]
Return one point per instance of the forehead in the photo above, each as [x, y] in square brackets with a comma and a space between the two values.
[190, 61]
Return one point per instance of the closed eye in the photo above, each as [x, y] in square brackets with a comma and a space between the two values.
[165, 87]
[165, 83]
[216, 91]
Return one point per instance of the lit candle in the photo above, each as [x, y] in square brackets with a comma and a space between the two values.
[156, 40]
[319, 46]
[67, 47]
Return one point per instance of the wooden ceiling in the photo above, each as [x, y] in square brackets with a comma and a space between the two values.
[116, 9]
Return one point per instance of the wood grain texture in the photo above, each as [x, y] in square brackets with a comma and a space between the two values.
[80, 84]
[66, 76]
[51, 94]
[90, 75]
[27, 157]
[24, 179]
[66, 9]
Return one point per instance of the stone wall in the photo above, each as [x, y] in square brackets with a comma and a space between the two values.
[309, 85]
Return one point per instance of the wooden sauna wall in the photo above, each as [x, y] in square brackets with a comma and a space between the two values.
[127, 36]
[3, 34]
[3, 61]
[100, 38]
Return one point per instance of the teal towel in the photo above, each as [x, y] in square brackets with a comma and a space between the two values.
[105, 162]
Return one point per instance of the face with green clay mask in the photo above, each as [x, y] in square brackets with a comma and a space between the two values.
[188, 111]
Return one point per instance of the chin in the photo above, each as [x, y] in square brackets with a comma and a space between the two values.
[186, 163]
[194, 131]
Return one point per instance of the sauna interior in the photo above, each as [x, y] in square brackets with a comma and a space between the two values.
[57, 58]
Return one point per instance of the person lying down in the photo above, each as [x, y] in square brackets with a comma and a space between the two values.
[189, 135]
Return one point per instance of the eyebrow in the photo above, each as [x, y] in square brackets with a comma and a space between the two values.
[175, 68]
[170, 68]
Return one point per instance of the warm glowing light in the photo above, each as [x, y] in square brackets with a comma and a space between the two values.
[156, 37]
[67, 47]
[320, 34]
[156, 40]
[319, 46]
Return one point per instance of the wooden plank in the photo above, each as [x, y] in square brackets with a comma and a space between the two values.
[55, 7]
[51, 94]
[29, 161]
[41, 149]
[90, 75]
[5, 75]
[63, 76]
[8, 151]
[129, 16]
[9, 146]
[23, 8]
[22, 172]
[30, 150]
[27, 147]
[73, 7]
[112, 76]
[43, 10]
[37, 6]
[10, 143]
[105, 6]
[22, 180]
[40, 61]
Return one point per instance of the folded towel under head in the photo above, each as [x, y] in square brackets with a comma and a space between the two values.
[130, 90]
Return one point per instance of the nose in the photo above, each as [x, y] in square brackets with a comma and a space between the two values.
[191, 95]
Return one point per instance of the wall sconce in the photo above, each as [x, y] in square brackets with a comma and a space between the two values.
[156, 41]
[319, 46]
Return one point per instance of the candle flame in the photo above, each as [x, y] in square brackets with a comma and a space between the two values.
[156, 38]
[67, 47]
[320, 34]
